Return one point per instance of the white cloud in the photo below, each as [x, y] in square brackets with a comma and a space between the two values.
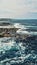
[17, 8]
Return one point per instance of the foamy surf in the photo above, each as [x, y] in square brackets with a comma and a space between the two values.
[22, 31]
[19, 25]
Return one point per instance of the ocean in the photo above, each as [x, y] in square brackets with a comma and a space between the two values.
[19, 52]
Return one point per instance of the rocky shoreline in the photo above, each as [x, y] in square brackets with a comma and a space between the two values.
[11, 32]
[8, 32]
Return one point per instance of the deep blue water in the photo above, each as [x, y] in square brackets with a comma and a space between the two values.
[15, 52]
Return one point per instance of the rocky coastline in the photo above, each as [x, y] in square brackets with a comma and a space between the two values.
[10, 31]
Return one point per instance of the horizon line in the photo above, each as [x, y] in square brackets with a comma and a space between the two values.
[15, 18]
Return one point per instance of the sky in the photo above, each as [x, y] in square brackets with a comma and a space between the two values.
[18, 9]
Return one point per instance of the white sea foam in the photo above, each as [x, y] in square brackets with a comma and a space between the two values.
[30, 26]
[16, 59]
[18, 25]
[20, 31]
[6, 45]
[33, 33]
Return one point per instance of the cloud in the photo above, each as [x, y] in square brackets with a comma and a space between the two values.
[17, 8]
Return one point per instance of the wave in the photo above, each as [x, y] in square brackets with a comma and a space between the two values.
[4, 45]
[19, 25]
[22, 31]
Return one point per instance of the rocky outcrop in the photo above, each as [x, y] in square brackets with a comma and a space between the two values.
[7, 32]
